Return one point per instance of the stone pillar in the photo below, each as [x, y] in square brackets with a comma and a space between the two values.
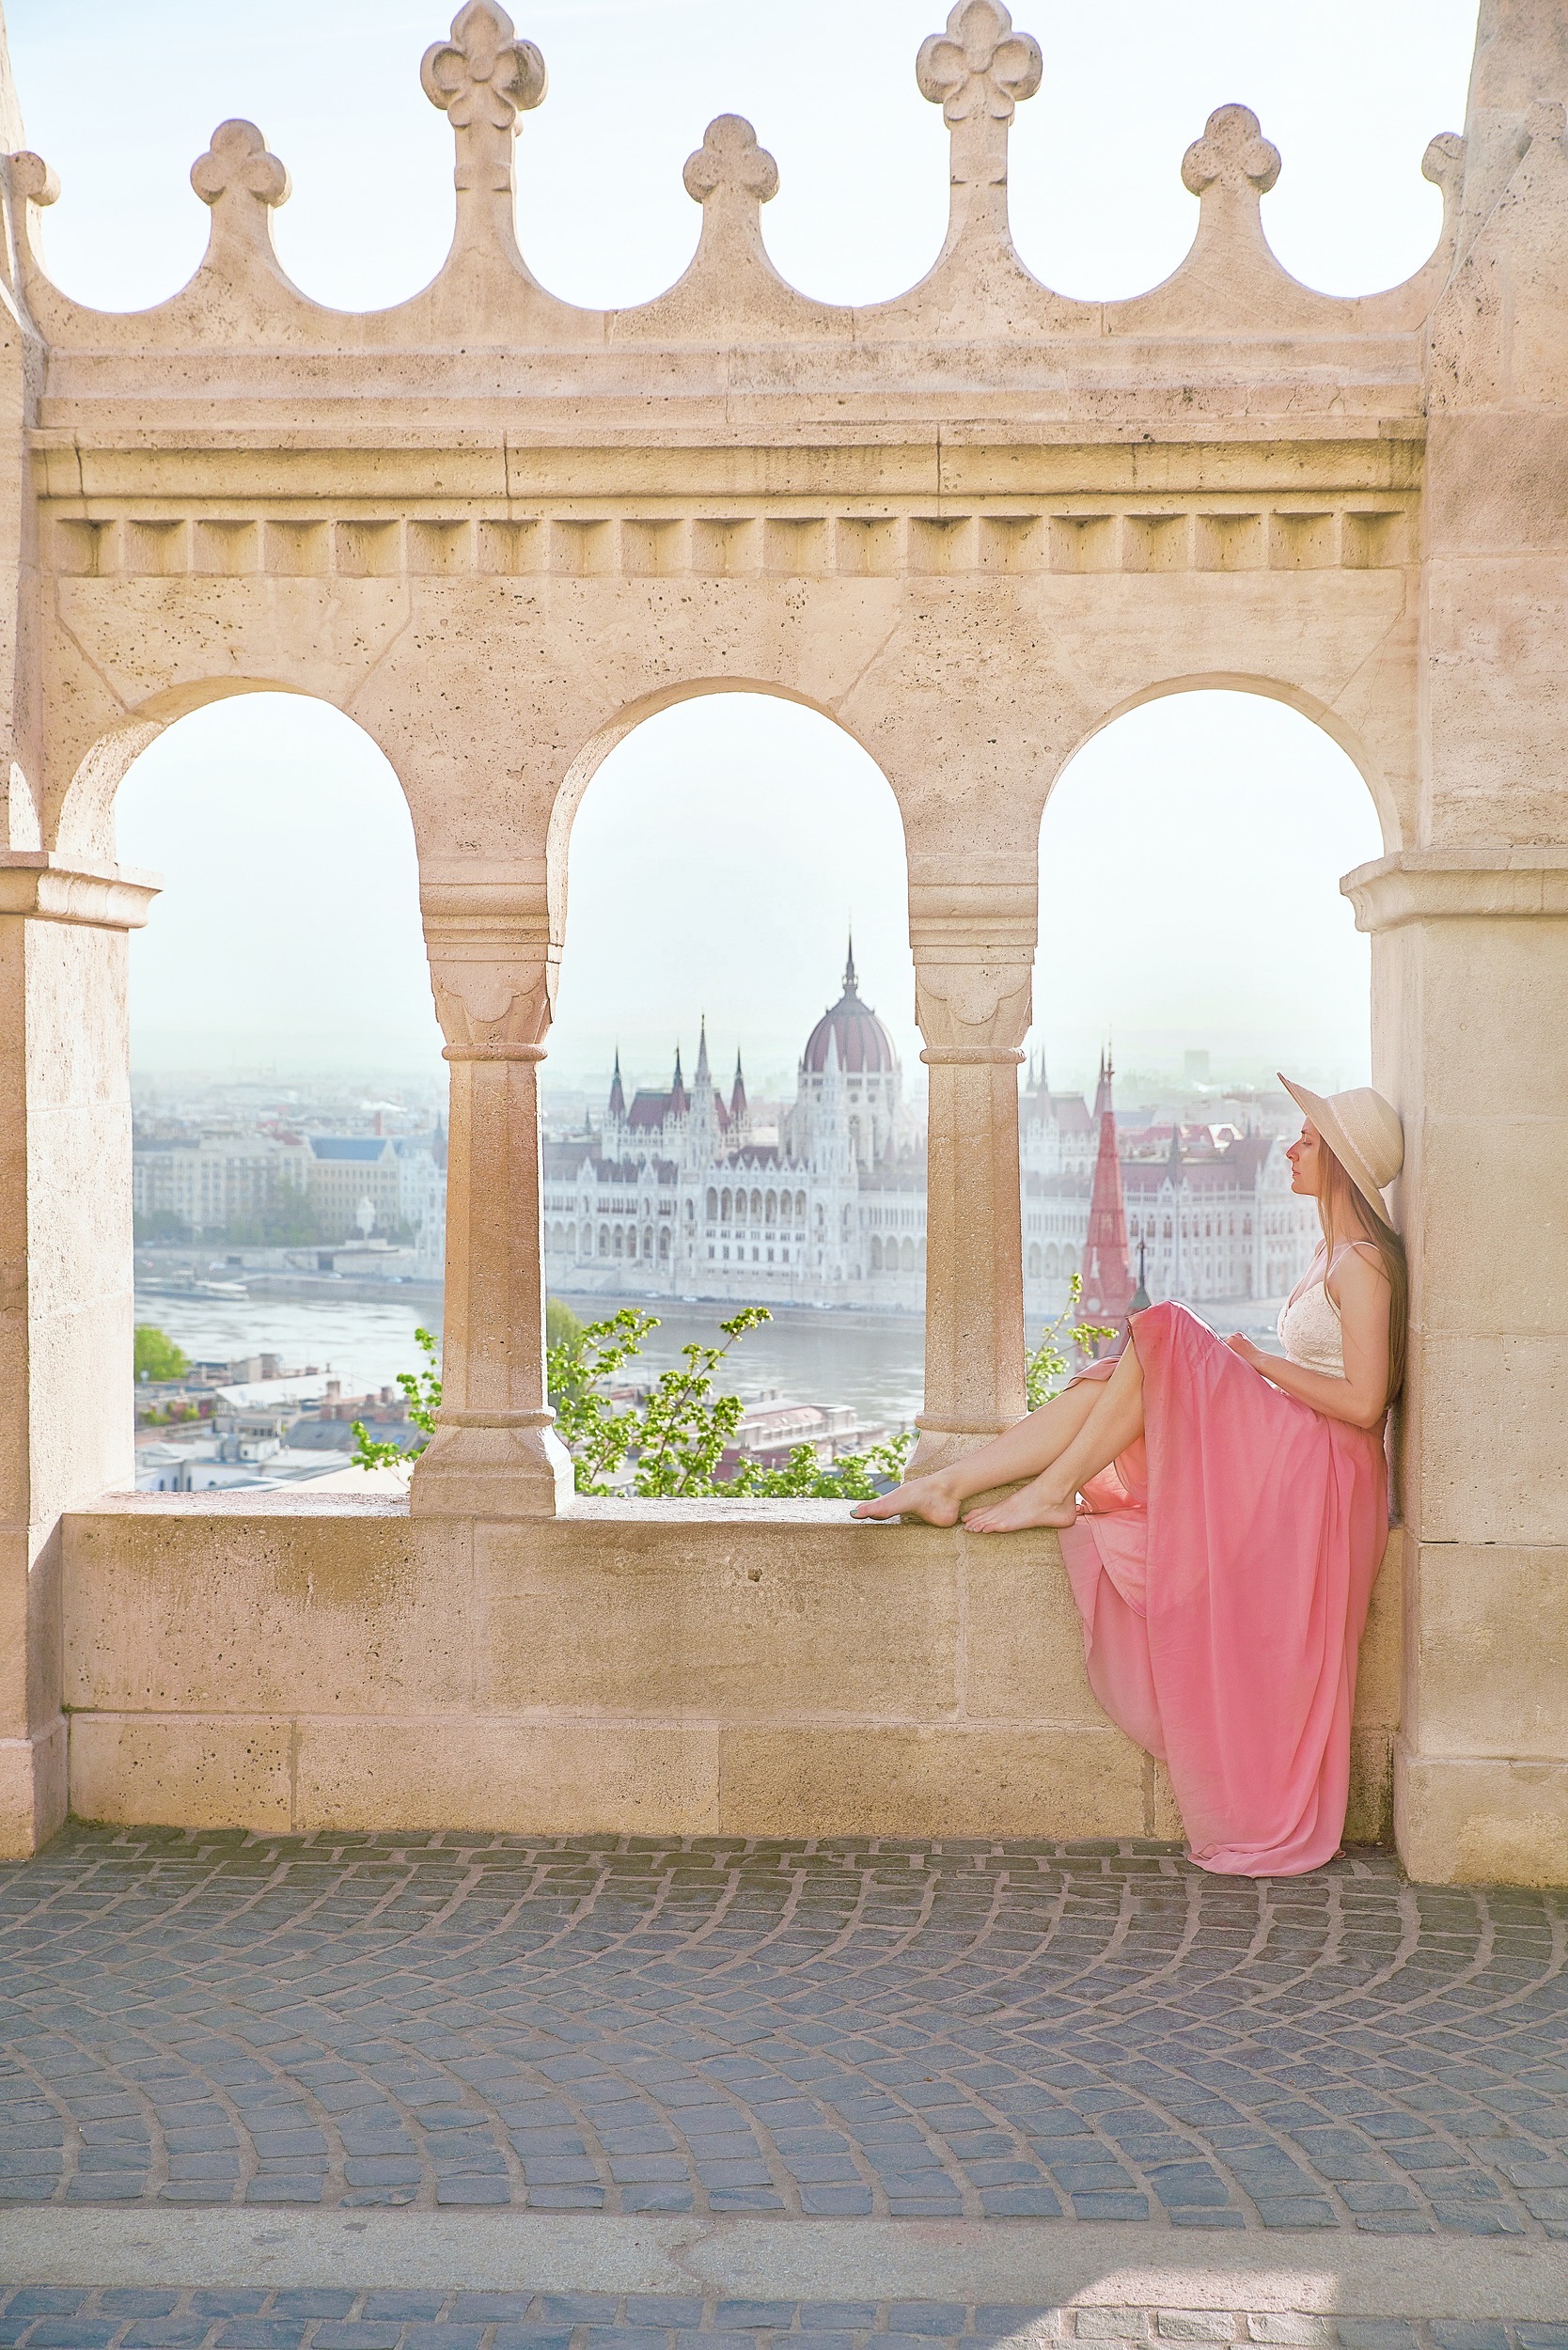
[66, 1382]
[974, 948]
[1470, 975]
[495, 1453]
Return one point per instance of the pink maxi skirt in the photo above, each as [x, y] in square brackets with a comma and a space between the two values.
[1223, 1566]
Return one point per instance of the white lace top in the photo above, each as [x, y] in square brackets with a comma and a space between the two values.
[1308, 1325]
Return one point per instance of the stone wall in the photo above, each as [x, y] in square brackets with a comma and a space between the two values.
[650, 1668]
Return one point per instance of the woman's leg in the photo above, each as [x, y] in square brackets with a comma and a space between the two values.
[1022, 1450]
[1115, 1422]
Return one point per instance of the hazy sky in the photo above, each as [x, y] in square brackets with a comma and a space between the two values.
[1191, 851]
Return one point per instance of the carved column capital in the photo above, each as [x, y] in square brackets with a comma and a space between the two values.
[493, 969]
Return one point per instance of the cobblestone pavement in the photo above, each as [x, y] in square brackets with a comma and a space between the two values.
[1094, 2031]
[39, 2318]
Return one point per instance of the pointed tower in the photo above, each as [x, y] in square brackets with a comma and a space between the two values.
[1177, 1181]
[1107, 1284]
[830, 1139]
[615, 1113]
[704, 1122]
[680, 1100]
[740, 1114]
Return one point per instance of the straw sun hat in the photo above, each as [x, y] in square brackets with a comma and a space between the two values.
[1364, 1133]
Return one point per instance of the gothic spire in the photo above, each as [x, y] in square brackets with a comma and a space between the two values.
[1108, 1287]
[737, 1094]
[849, 985]
[617, 1096]
[702, 1082]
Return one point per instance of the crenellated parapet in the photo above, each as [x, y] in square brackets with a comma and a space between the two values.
[1229, 327]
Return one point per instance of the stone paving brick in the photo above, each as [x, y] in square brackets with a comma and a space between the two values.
[519, 2025]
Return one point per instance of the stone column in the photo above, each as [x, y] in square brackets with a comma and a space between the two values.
[66, 1381]
[1469, 978]
[974, 948]
[496, 1453]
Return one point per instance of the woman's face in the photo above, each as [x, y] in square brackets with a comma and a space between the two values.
[1306, 1157]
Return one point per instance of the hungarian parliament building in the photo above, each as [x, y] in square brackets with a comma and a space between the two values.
[675, 1195]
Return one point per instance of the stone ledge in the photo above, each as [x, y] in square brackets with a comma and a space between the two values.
[1451, 885]
[44, 887]
[768, 1667]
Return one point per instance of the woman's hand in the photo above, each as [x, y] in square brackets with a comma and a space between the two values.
[1243, 1346]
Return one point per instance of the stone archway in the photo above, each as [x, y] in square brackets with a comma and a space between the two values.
[969, 523]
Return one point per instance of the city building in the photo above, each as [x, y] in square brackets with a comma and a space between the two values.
[674, 1195]
[208, 1183]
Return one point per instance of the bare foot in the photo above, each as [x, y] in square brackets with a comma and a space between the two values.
[1034, 1504]
[933, 1498]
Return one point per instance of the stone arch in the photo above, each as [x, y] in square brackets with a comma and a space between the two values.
[572, 787]
[1356, 741]
[78, 816]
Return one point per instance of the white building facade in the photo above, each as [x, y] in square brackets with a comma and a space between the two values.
[674, 1197]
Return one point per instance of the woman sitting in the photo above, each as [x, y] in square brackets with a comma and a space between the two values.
[1223, 1514]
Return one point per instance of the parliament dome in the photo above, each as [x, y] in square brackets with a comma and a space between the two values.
[863, 1043]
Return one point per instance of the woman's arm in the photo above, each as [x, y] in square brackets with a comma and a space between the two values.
[1360, 1290]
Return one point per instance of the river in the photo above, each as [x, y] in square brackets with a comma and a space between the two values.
[870, 1361]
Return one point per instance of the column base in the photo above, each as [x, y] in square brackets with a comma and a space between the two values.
[33, 1800]
[1480, 1820]
[491, 1472]
[939, 1447]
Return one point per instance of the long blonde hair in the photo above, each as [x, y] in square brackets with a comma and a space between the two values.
[1345, 1209]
